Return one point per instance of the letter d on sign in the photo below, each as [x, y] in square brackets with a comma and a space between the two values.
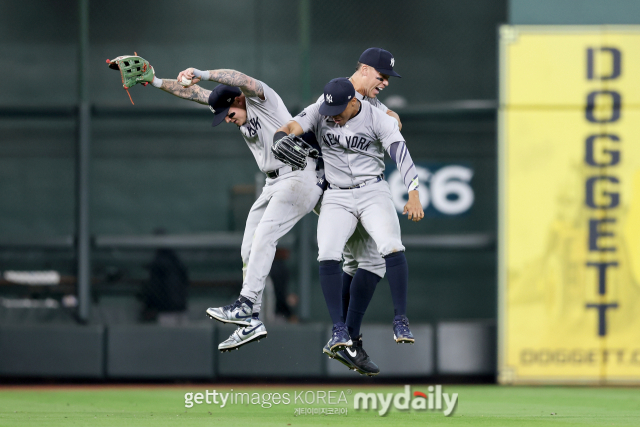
[401, 400]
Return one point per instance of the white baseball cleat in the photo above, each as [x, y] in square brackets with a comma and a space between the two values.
[241, 336]
[239, 312]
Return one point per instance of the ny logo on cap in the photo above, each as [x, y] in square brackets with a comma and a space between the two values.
[393, 61]
[212, 110]
[328, 98]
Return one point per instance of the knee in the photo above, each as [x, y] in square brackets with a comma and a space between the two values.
[393, 247]
[329, 254]
[262, 239]
[329, 267]
[395, 258]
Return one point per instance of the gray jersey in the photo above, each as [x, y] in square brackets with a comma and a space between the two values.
[373, 101]
[264, 117]
[352, 153]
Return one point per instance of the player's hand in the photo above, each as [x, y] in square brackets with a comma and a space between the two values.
[413, 208]
[188, 74]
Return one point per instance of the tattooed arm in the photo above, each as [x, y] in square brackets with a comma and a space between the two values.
[193, 93]
[248, 85]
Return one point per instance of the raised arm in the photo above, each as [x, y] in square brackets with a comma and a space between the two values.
[193, 93]
[248, 85]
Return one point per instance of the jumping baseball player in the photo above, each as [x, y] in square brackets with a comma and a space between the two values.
[363, 267]
[195, 93]
[287, 196]
[354, 136]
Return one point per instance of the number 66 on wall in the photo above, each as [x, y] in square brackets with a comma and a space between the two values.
[447, 189]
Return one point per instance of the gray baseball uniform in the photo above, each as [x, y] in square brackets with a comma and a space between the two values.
[354, 157]
[360, 250]
[285, 199]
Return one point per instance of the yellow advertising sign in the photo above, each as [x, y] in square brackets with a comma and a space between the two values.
[569, 127]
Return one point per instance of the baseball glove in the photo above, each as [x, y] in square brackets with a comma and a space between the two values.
[133, 70]
[293, 151]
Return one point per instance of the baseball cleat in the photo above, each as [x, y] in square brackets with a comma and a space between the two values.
[335, 355]
[401, 331]
[339, 338]
[326, 350]
[356, 358]
[239, 312]
[344, 360]
[241, 336]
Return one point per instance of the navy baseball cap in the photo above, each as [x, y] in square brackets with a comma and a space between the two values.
[380, 59]
[337, 94]
[220, 100]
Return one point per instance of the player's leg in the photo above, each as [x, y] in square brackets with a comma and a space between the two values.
[347, 278]
[346, 285]
[357, 291]
[370, 268]
[378, 216]
[349, 268]
[282, 204]
[335, 226]
[253, 219]
[361, 251]
[355, 357]
[362, 288]
[293, 197]
[240, 311]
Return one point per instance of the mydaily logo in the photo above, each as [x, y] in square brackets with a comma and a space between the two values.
[419, 401]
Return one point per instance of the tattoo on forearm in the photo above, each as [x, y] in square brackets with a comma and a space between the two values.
[248, 85]
[193, 93]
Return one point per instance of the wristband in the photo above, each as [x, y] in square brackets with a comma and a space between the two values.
[204, 75]
[156, 82]
[279, 135]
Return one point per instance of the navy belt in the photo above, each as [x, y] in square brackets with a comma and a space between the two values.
[362, 184]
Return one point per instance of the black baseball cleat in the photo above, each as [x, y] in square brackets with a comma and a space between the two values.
[356, 358]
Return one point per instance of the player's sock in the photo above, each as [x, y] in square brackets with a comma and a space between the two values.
[246, 300]
[398, 276]
[256, 315]
[362, 288]
[346, 286]
[331, 288]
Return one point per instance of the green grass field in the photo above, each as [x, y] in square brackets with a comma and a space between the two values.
[165, 406]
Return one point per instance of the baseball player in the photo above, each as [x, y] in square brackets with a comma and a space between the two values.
[354, 136]
[287, 196]
[363, 267]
